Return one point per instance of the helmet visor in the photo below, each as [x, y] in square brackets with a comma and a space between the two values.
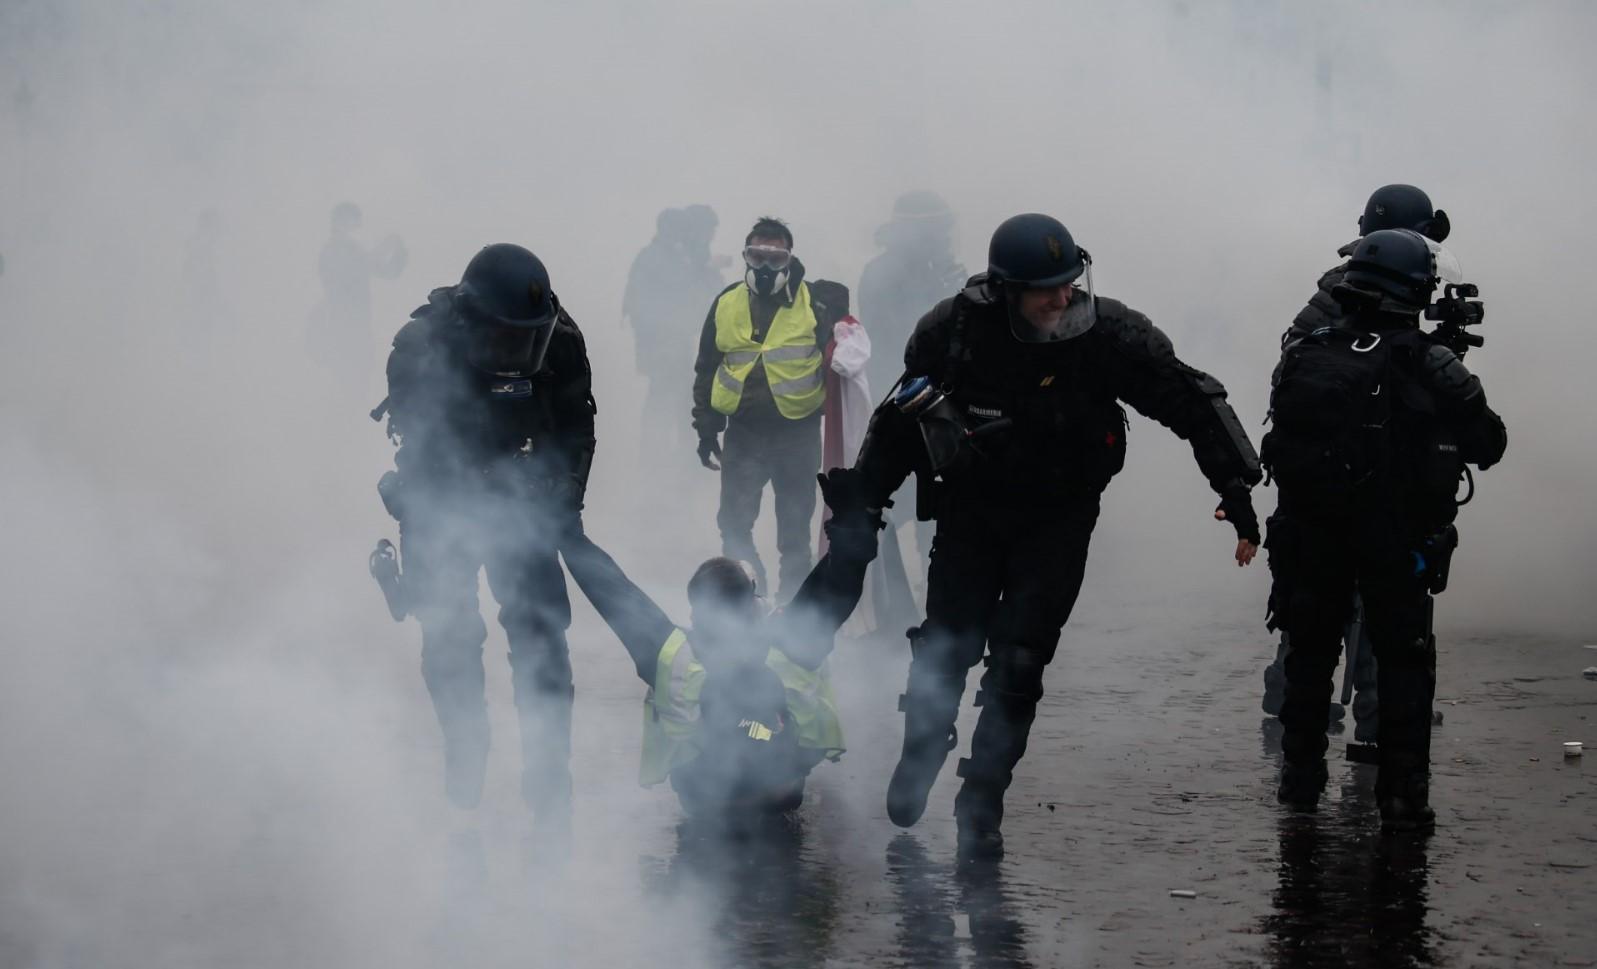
[1051, 314]
[505, 349]
[767, 257]
[1447, 267]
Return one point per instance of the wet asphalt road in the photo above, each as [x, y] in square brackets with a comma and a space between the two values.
[1158, 777]
[279, 804]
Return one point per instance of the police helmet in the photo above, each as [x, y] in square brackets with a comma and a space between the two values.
[921, 206]
[1034, 250]
[508, 309]
[1403, 207]
[346, 217]
[1396, 264]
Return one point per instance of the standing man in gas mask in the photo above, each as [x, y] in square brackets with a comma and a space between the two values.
[758, 377]
[490, 400]
[1010, 404]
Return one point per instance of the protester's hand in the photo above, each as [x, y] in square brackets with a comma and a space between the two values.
[1236, 507]
[709, 451]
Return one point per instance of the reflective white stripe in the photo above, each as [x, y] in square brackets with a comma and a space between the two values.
[737, 358]
[670, 692]
[677, 705]
[783, 354]
[724, 377]
[802, 385]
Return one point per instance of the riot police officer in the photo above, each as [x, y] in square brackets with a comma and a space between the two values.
[1010, 412]
[1374, 421]
[1394, 206]
[491, 403]
[915, 269]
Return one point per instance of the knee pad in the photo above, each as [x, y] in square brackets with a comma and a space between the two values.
[1013, 675]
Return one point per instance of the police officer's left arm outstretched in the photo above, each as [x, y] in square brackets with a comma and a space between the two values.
[1150, 378]
[490, 399]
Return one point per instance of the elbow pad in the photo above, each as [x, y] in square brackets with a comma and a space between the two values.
[1445, 376]
[1228, 439]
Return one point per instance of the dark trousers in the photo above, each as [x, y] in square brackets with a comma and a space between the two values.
[787, 455]
[443, 549]
[1000, 586]
[1366, 705]
[1315, 567]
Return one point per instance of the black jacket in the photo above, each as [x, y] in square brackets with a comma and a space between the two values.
[1440, 420]
[756, 406]
[1069, 435]
[454, 422]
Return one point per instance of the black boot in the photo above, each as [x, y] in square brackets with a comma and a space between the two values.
[1403, 786]
[1302, 785]
[979, 812]
[929, 735]
[1405, 802]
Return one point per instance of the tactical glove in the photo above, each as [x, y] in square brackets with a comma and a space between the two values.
[1236, 505]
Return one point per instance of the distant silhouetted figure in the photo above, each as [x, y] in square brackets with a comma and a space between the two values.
[340, 333]
[671, 281]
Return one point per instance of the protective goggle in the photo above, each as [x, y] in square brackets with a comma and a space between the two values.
[767, 257]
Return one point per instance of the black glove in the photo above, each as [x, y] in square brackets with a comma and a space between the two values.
[854, 539]
[709, 451]
[843, 490]
[852, 529]
[1236, 507]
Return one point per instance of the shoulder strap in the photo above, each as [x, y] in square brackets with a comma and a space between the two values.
[956, 345]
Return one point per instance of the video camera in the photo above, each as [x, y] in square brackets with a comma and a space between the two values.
[1454, 312]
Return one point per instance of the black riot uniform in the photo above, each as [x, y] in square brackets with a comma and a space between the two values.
[490, 399]
[1042, 432]
[1374, 421]
[1394, 206]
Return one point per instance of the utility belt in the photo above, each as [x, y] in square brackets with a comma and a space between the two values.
[1433, 558]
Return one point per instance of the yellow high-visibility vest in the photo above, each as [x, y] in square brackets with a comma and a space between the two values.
[791, 357]
[671, 708]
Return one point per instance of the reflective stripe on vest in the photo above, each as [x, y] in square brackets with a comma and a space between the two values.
[671, 708]
[791, 357]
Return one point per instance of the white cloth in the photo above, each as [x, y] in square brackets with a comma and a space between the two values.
[849, 357]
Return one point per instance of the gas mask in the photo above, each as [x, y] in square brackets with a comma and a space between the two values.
[767, 269]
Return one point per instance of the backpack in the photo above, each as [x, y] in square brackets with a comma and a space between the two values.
[1331, 409]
